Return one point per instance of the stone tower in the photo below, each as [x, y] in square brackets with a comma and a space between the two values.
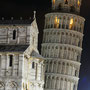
[62, 45]
[21, 65]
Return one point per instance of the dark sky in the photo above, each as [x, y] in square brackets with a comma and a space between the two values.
[24, 8]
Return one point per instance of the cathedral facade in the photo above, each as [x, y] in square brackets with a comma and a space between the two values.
[21, 65]
[62, 45]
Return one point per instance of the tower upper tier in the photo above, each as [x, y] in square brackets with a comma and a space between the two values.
[72, 6]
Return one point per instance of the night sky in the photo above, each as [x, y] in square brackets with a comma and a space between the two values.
[25, 8]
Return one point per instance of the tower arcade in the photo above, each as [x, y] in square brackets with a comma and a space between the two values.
[62, 45]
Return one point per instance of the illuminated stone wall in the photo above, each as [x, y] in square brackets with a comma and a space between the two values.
[62, 45]
[20, 69]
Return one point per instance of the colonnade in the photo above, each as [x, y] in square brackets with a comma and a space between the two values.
[62, 46]
[60, 83]
[62, 67]
[64, 21]
[61, 51]
[64, 37]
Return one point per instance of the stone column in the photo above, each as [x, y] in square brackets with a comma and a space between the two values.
[52, 66]
[61, 68]
[7, 65]
[3, 65]
[48, 66]
[46, 82]
[54, 83]
[21, 65]
[0, 65]
[65, 68]
[15, 65]
[50, 22]
[76, 87]
[8, 36]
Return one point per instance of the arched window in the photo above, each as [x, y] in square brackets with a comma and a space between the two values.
[79, 43]
[53, 2]
[63, 26]
[72, 9]
[33, 65]
[67, 26]
[59, 7]
[10, 60]
[66, 1]
[78, 3]
[75, 72]
[56, 22]
[71, 23]
[14, 34]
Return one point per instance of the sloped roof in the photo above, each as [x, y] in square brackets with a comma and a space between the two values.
[13, 48]
[11, 22]
[36, 55]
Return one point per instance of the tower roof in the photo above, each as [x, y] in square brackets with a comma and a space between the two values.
[20, 21]
[71, 6]
[13, 48]
[36, 55]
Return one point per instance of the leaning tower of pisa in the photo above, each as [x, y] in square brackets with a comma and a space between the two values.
[62, 45]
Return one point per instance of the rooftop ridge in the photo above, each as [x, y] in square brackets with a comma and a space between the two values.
[20, 21]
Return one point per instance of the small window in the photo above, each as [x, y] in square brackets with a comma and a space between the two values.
[14, 34]
[33, 65]
[78, 3]
[79, 43]
[59, 7]
[72, 9]
[71, 23]
[75, 72]
[56, 22]
[11, 60]
[66, 1]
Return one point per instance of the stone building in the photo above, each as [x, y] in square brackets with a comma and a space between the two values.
[62, 45]
[21, 65]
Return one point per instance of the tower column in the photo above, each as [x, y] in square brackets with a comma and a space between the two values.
[21, 64]
[3, 64]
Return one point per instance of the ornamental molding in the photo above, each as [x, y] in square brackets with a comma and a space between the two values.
[62, 76]
[1, 84]
[64, 60]
[64, 31]
[12, 84]
[62, 45]
[65, 14]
